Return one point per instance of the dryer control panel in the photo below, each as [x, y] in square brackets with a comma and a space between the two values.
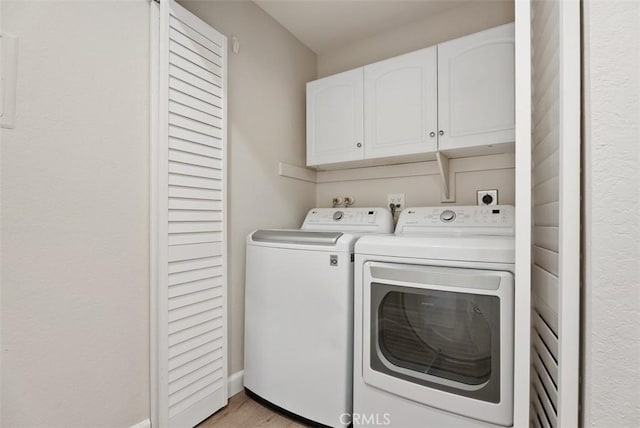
[472, 220]
[371, 220]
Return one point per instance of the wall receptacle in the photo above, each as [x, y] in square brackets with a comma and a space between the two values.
[396, 199]
[487, 197]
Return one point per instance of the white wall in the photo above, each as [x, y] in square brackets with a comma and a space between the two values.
[611, 289]
[453, 23]
[75, 217]
[422, 190]
[266, 125]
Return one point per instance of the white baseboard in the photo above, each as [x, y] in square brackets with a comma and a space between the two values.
[235, 383]
[144, 424]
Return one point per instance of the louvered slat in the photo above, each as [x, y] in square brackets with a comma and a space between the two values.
[546, 192]
[186, 111]
[549, 387]
[194, 226]
[186, 134]
[187, 265]
[196, 171]
[210, 323]
[184, 40]
[193, 365]
[549, 337]
[193, 91]
[196, 394]
[546, 168]
[194, 126]
[193, 320]
[208, 303]
[189, 276]
[188, 216]
[195, 193]
[195, 342]
[546, 237]
[195, 77]
[192, 377]
[176, 24]
[543, 399]
[194, 103]
[546, 259]
[195, 59]
[194, 204]
[196, 182]
[546, 287]
[547, 214]
[194, 353]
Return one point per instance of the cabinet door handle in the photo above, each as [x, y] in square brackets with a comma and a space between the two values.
[432, 134]
[358, 144]
[441, 132]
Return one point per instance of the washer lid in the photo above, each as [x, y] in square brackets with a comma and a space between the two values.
[489, 249]
[296, 237]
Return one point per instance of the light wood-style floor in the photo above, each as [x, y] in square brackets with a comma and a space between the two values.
[243, 412]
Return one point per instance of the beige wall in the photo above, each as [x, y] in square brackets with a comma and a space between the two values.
[611, 222]
[266, 125]
[424, 190]
[75, 329]
[453, 23]
[420, 191]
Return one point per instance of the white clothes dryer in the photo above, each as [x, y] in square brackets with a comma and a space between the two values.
[433, 319]
[299, 312]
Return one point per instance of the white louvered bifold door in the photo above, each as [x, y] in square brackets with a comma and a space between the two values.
[188, 254]
[556, 212]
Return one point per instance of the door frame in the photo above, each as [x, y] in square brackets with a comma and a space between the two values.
[522, 295]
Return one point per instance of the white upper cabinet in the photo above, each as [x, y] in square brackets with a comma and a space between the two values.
[335, 119]
[457, 97]
[476, 90]
[400, 105]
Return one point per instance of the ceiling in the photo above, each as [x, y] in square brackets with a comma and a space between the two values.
[324, 25]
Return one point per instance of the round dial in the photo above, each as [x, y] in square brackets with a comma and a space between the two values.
[447, 216]
[337, 216]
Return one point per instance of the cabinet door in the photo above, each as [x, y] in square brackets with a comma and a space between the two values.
[476, 89]
[334, 119]
[400, 105]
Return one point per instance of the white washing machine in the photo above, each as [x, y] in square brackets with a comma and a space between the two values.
[299, 312]
[433, 320]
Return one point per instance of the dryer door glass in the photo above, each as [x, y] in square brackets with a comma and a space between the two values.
[443, 339]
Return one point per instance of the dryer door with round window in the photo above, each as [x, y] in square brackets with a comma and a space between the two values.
[440, 330]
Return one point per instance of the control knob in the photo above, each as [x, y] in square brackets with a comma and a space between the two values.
[337, 216]
[447, 216]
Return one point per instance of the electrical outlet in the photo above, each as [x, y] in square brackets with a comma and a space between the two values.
[487, 197]
[396, 199]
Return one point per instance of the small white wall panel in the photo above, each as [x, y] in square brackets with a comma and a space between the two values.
[335, 119]
[400, 105]
[556, 219]
[190, 277]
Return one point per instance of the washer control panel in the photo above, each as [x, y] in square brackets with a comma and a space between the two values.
[349, 219]
[493, 220]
